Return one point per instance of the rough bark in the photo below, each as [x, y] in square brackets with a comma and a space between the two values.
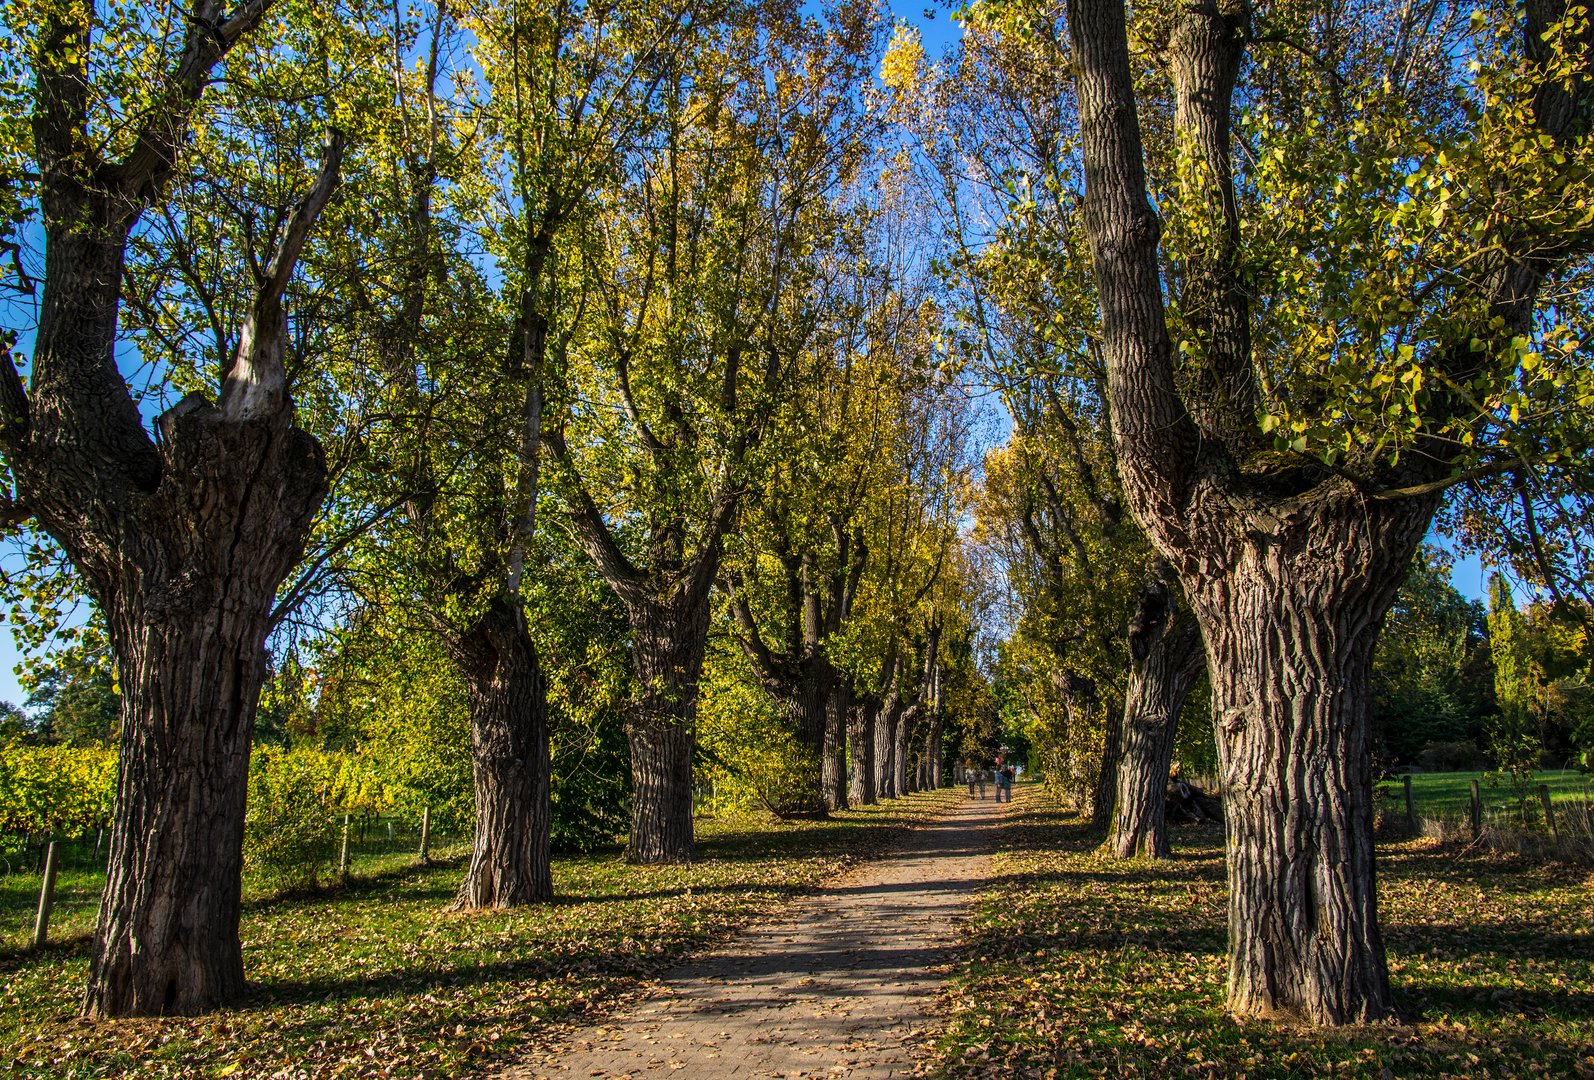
[863, 719]
[1165, 660]
[1290, 630]
[667, 659]
[1289, 577]
[1106, 791]
[510, 862]
[183, 542]
[834, 777]
[187, 600]
[885, 746]
[903, 774]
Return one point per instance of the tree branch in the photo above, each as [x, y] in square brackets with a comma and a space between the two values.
[210, 37]
[257, 385]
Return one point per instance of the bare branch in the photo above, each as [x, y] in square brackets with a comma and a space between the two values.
[258, 382]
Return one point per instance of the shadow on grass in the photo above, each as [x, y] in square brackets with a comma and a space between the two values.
[1431, 1000]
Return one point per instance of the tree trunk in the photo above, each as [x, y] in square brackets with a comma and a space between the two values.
[810, 718]
[862, 732]
[1290, 626]
[188, 595]
[885, 747]
[902, 743]
[667, 659]
[1107, 777]
[837, 702]
[1158, 687]
[934, 750]
[510, 863]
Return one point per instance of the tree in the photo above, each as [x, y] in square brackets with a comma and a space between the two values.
[1433, 679]
[704, 276]
[182, 539]
[993, 131]
[1166, 658]
[1287, 486]
[800, 558]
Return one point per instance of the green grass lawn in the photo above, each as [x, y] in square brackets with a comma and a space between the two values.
[1449, 795]
[380, 979]
[1080, 965]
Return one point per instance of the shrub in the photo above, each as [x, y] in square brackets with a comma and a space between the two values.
[296, 802]
[67, 790]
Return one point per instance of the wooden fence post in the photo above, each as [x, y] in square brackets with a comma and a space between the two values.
[426, 830]
[343, 856]
[1549, 813]
[41, 924]
[1411, 808]
[1477, 812]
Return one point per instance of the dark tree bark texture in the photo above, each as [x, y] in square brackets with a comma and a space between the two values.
[1290, 572]
[510, 862]
[863, 717]
[667, 658]
[183, 540]
[1166, 658]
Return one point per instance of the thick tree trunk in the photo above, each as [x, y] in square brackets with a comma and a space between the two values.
[862, 723]
[885, 747]
[1290, 627]
[834, 779]
[183, 541]
[1158, 686]
[667, 659]
[188, 597]
[510, 862]
[807, 704]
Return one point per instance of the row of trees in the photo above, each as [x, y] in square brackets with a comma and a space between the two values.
[1264, 286]
[633, 303]
[544, 344]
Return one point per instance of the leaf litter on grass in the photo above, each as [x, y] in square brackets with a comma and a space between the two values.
[1076, 964]
[382, 980]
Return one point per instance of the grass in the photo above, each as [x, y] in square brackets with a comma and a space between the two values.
[1449, 795]
[1081, 965]
[80, 877]
[379, 979]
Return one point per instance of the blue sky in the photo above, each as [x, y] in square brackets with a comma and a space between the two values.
[938, 28]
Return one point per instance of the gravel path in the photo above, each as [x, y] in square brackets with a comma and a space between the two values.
[839, 984]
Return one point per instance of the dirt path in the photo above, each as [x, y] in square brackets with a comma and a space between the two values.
[840, 984]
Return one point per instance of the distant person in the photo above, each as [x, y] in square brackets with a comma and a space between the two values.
[996, 777]
[1007, 782]
[968, 774]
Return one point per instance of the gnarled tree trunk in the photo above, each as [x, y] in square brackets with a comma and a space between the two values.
[510, 862]
[1290, 620]
[188, 593]
[1164, 664]
[667, 658]
[183, 543]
